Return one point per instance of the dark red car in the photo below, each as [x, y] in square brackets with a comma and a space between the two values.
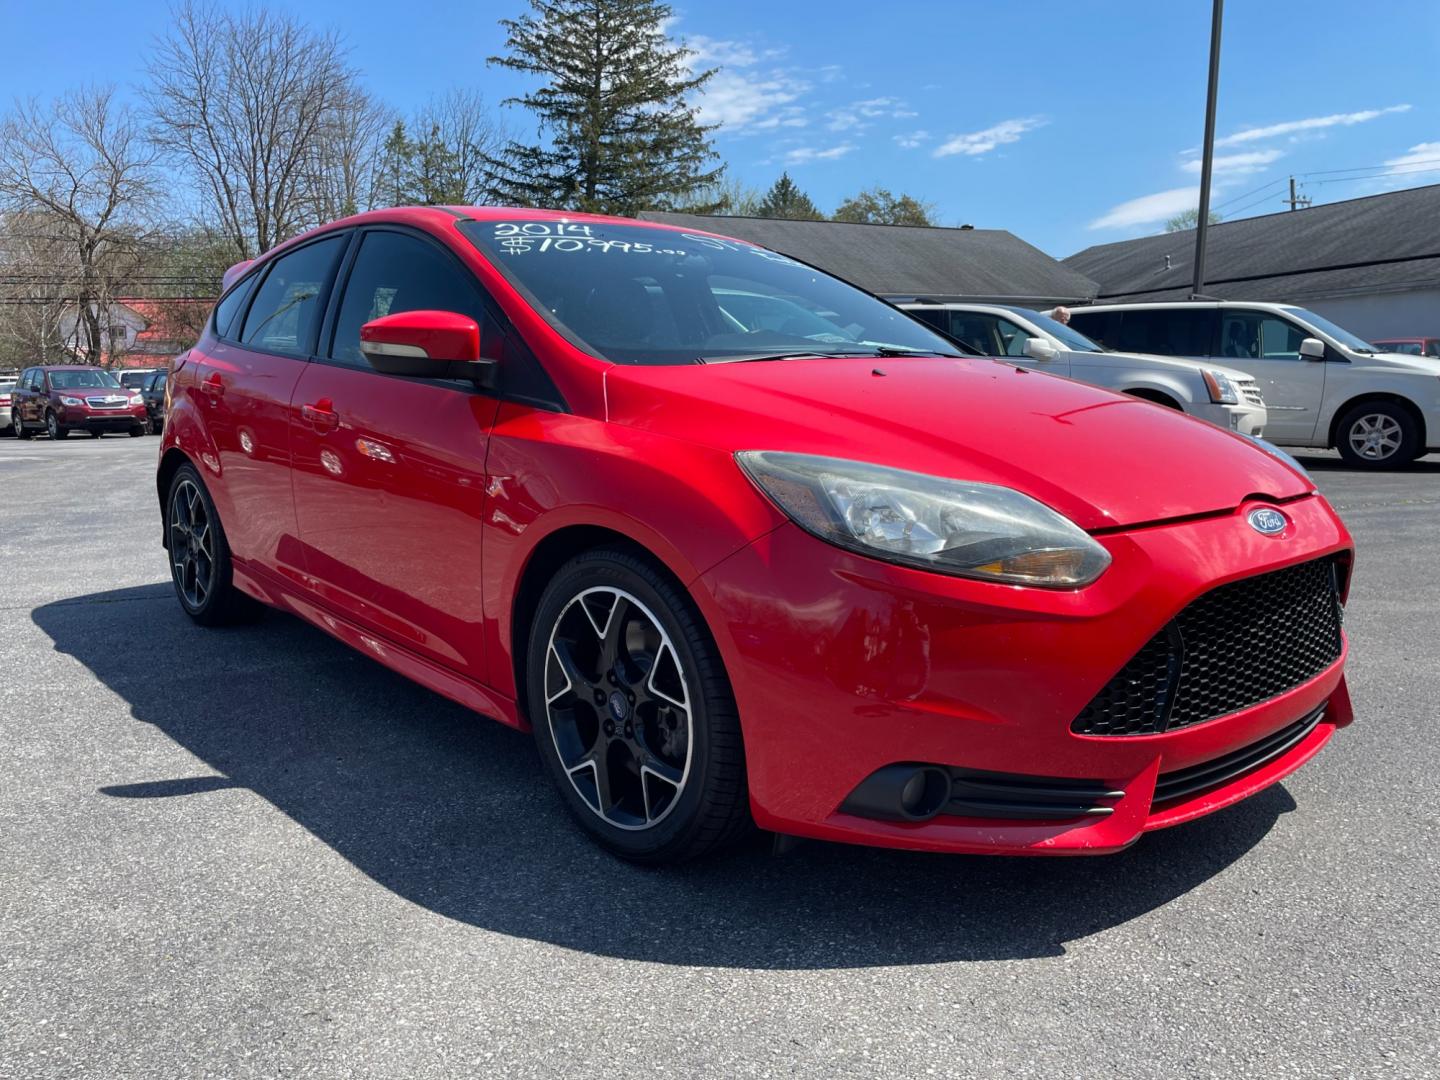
[820, 573]
[64, 398]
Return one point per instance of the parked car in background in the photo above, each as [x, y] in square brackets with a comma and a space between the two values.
[6, 386]
[64, 398]
[134, 378]
[153, 394]
[828, 575]
[1323, 386]
[1412, 346]
[1224, 396]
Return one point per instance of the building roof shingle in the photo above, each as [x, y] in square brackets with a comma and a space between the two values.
[1378, 243]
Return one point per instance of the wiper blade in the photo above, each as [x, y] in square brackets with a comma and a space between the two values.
[789, 354]
[900, 350]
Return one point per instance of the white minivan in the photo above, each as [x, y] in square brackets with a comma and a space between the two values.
[1221, 395]
[1323, 386]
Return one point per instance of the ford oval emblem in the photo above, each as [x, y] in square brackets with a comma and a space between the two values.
[1267, 522]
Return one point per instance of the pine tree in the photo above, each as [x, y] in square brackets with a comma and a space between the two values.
[622, 135]
[786, 200]
[394, 167]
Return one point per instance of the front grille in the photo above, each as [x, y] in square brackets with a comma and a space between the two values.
[1209, 774]
[107, 402]
[1231, 648]
[1250, 389]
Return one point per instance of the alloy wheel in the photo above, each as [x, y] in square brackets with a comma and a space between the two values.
[52, 426]
[617, 702]
[1375, 436]
[192, 545]
[17, 424]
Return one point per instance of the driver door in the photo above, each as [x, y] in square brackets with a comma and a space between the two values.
[995, 335]
[1268, 347]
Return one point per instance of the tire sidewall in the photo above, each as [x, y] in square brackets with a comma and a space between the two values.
[219, 587]
[1409, 449]
[602, 569]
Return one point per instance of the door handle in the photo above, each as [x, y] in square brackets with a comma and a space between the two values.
[212, 385]
[322, 414]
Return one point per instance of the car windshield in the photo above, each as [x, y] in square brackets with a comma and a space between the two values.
[1071, 339]
[640, 295]
[1339, 333]
[83, 379]
[133, 379]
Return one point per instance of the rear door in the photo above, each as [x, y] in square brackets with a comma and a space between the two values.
[243, 384]
[1268, 347]
[390, 471]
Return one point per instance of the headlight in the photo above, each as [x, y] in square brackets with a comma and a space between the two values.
[951, 526]
[136, 399]
[1223, 390]
[70, 401]
[1280, 455]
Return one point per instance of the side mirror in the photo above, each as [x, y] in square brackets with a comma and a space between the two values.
[426, 344]
[1040, 349]
[1312, 349]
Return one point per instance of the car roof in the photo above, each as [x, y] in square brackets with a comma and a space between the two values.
[69, 367]
[1147, 305]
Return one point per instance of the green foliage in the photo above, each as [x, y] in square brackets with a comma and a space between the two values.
[423, 171]
[1188, 219]
[877, 206]
[786, 200]
[614, 106]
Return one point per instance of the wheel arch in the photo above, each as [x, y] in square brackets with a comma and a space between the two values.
[1372, 397]
[1156, 396]
[170, 463]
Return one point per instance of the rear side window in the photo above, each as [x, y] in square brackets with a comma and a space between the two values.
[291, 299]
[229, 307]
[1096, 325]
[1166, 331]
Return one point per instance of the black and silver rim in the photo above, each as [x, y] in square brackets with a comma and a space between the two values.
[618, 706]
[192, 545]
[52, 426]
[17, 423]
[1376, 436]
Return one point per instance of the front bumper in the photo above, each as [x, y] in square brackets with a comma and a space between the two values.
[842, 665]
[1245, 418]
[78, 418]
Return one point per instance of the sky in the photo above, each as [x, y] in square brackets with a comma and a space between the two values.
[1067, 123]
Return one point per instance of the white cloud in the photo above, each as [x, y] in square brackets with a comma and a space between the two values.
[1252, 161]
[742, 96]
[911, 139]
[982, 142]
[1149, 208]
[1416, 158]
[805, 154]
[1313, 123]
[858, 115]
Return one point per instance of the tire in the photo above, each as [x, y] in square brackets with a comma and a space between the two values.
[157, 427]
[1378, 435]
[674, 784]
[18, 427]
[95, 434]
[210, 600]
[137, 431]
[54, 428]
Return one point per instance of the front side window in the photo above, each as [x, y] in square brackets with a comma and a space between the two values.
[290, 300]
[392, 273]
[1246, 335]
[635, 294]
[1067, 336]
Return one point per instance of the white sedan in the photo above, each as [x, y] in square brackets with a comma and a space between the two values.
[1221, 395]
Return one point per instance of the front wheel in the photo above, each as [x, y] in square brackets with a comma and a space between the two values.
[54, 428]
[633, 713]
[1378, 435]
[199, 555]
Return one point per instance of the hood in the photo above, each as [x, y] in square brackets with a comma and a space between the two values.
[1153, 361]
[1389, 361]
[1101, 459]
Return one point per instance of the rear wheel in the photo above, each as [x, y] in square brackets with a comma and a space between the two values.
[54, 428]
[633, 713]
[137, 431]
[1378, 435]
[199, 556]
[95, 434]
[18, 426]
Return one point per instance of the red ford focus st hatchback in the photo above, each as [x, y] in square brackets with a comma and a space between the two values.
[740, 542]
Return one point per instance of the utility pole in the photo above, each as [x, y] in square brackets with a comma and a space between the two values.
[1202, 222]
[1296, 201]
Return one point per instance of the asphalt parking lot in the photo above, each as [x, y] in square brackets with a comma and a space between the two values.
[256, 853]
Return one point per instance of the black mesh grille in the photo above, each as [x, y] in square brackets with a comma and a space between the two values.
[1234, 647]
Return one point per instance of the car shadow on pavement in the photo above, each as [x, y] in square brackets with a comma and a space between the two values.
[453, 813]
